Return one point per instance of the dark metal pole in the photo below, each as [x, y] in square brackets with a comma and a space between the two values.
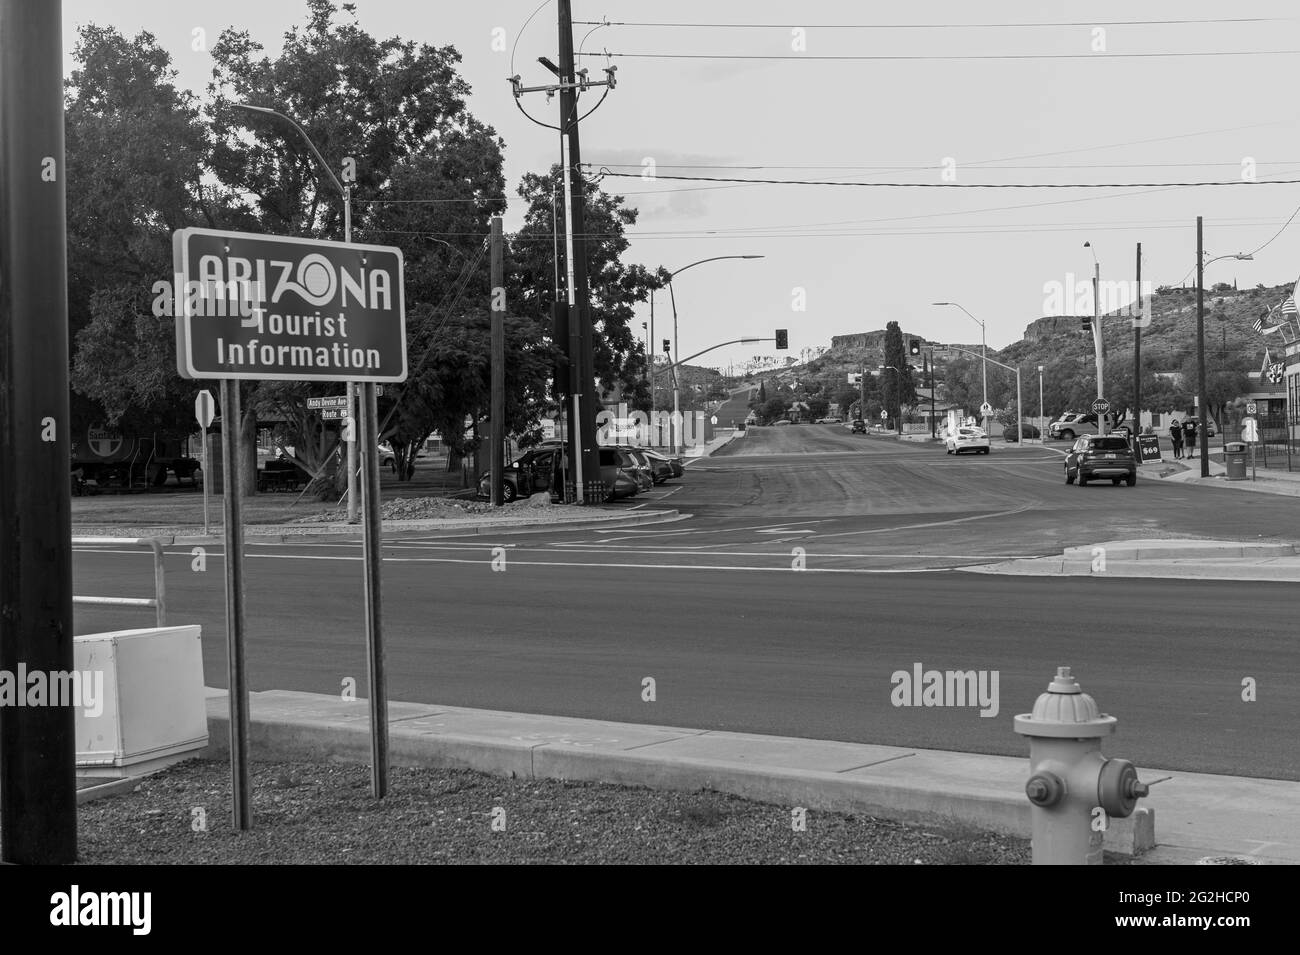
[38, 787]
[1202, 411]
[929, 364]
[498, 405]
[594, 486]
[237, 687]
[372, 541]
[1137, 356]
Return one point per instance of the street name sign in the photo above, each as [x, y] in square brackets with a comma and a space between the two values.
[277, 308]
[333, 401]
[333, 414]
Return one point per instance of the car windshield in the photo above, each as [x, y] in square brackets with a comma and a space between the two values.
[1109, 444]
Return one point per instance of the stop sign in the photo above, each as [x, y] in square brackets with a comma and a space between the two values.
[203, 408]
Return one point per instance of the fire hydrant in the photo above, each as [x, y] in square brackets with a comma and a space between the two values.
[1073, 788]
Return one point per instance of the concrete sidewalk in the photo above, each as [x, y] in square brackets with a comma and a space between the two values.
[1266, 481]
[1181, 559]
[1189, 817]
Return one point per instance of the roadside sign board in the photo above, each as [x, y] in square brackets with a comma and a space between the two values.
[276, 308]
[1100, 406]
[986, 409]
[883, 414]
[1251, 408]
[1148, 448]
[203, 409]
[1249, 430]
[333, 414]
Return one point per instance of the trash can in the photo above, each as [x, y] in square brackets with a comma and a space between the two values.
[1234, 453]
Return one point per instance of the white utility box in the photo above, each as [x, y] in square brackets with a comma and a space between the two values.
[152, 712]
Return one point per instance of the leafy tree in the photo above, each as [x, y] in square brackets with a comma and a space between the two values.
[135, 149]
[898, 387]
[616, 287]
[818, 407]
[774, 408]
[397, 108]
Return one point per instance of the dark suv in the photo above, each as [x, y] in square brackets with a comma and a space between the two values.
[859, 426]
[1095, 457]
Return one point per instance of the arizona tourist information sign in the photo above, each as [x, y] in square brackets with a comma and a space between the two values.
[283, 309]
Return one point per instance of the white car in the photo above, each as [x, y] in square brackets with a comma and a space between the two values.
[966, 439]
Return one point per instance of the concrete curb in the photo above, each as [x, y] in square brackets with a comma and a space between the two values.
[251, 536]
[307, 726]
[1183, 559]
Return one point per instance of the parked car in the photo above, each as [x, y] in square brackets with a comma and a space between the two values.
[1028, 431]
[859, 426]
[665, 468]
[1072, 424]
[1094, 457]
[531, 472]
[639, 465]
[782, 421]
[619, 479]
[966, 439]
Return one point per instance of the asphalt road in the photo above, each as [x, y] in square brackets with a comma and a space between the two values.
[816, 564]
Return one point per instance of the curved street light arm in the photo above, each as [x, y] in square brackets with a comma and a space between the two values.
[303, 133]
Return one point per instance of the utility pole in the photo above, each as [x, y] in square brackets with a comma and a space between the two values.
[38, 787]
[583, 446]
[583, 454]
[1202, 431]
[498, 404]
[1098, 343]
[1137, 354]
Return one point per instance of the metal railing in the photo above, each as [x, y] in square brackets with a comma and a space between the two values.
[159, 599]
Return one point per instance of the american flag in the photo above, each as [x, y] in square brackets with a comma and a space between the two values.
[1289, 306]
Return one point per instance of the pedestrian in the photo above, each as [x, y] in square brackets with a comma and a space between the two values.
[1189, 437]
[1176, 436]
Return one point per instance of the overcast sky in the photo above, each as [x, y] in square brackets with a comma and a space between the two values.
[864, 256]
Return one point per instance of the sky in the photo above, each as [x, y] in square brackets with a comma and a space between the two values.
[972, 94]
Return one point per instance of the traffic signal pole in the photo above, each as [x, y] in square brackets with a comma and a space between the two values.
[38, 787]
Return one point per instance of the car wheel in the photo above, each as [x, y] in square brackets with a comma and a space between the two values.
[1115, 481]
[985, 450]
[508, 492]
[1131, 480]
[1067, 435]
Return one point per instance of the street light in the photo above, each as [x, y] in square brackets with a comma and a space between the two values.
[1042, 430]
[676, 353]
[984, 365]
[346, 192]
[1098, 343]
[1202, 399]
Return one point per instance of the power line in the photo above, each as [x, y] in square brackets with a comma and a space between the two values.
[904, 165]
[948, 56]
[933, 26]
[605, 171]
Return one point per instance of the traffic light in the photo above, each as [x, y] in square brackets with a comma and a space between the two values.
[668, 347]
[782, 338]
[914, 346]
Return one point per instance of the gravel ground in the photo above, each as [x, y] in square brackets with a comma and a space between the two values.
[441, 508]
[306, 813]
